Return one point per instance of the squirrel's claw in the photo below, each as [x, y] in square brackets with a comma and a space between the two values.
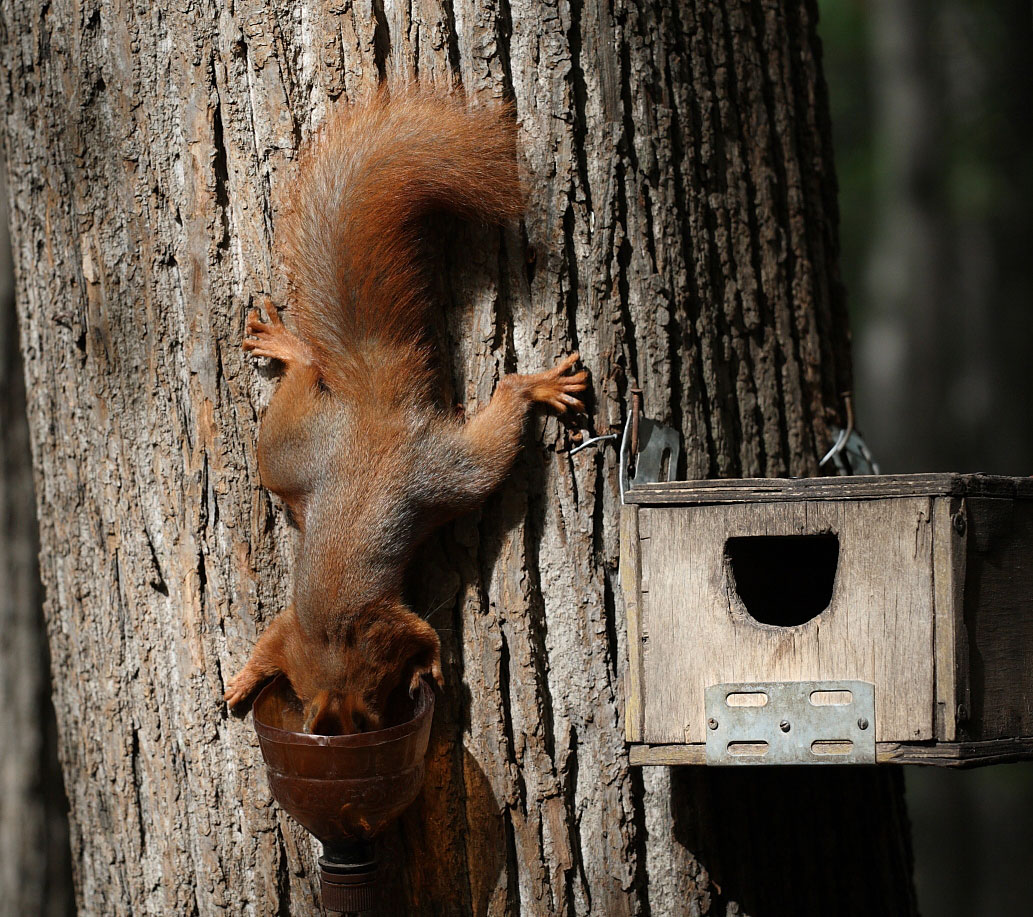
[556, 387]
[569, 360]
[272, 339]
[234, 697]
[239, 687]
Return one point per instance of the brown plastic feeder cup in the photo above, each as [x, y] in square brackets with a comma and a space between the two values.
[343, 789]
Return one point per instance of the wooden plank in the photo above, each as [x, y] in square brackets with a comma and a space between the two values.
[668, 755]
[956, 754]
[878, 627]
[631, 584]
[940, 754]
[855, 487]
[999, 618]
[998, 486]
[948, 586]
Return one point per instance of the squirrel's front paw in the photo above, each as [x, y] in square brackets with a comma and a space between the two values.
[556, 387]
[240, 687]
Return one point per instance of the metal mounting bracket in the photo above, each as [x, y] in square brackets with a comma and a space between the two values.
[790, 722]
[650, 451]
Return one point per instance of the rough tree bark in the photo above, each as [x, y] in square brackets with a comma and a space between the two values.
[680, 231]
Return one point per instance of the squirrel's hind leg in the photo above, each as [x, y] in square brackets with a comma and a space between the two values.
[295, 438]
[492, 436]
[558, 387]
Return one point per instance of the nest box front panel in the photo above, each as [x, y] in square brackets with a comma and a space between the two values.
[787, 591]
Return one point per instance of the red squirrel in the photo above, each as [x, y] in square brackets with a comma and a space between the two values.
[353, 439]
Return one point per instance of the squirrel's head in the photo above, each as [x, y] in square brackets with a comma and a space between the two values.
[353, 686]
[330, 713]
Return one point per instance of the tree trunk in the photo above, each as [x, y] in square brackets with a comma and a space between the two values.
[680, 232]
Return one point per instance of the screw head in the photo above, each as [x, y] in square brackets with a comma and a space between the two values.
[712, 723]
[784, 726]
[862, 723]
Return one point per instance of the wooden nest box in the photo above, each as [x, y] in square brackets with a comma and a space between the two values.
[830, 620]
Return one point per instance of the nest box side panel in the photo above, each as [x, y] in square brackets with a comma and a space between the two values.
[952, 652]
[631, 585]
[878, 627]
[999, 618]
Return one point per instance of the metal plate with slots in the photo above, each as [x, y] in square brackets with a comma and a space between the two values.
[791, 722]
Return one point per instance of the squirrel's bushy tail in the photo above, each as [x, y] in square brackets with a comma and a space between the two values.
[351, 229]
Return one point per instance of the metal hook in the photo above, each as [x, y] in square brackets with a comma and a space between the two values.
[593, 441]
[844, 435]
[636, 410]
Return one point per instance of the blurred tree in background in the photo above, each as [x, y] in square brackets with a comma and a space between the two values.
[932, 115]
[931, 112]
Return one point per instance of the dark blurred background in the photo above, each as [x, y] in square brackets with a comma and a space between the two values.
[35, 867]
[932, 110]
[932, 117]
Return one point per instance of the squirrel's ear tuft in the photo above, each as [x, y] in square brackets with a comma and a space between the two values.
[314, 711]
[421, 650]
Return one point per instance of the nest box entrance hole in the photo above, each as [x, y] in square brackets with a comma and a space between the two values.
[783, 580]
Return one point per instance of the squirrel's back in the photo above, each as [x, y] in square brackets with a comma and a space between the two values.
[351, 231]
